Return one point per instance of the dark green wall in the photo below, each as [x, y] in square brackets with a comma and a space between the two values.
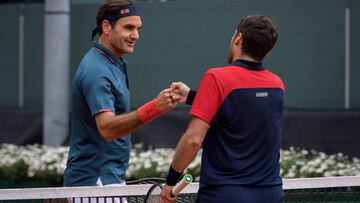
[355, 52]
[33, 56]
[311, 53]
[9, 18]
[180, 40]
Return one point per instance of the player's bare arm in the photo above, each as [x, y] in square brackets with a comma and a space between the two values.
[186, 150]
[189, 144]
[113, 126]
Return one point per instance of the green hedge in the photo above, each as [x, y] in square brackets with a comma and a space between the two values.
[42, 165]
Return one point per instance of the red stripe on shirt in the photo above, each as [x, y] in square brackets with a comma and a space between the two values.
[217, 83]
[105, 110]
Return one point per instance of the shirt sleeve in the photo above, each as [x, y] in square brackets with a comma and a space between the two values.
[98, 94]
[208, 98]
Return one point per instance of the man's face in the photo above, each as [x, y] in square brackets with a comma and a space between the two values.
[124, 34]
[231, 48]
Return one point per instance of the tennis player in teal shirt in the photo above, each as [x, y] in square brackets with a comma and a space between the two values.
[101, 120]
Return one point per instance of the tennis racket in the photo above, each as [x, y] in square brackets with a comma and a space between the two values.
[153, 195]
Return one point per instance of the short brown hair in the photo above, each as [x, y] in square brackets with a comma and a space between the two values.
[259, 35]
[109, 7]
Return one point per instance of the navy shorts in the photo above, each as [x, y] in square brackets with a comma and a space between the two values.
[240, 194]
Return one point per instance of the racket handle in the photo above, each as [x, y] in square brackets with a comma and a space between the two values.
[187, 179]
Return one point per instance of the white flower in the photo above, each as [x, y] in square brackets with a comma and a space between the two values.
[304, 152]
[290, 174]
[41, 159]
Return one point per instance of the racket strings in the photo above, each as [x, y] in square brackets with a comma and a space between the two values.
[153, 195]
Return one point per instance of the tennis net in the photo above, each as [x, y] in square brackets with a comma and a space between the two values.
[330, 189]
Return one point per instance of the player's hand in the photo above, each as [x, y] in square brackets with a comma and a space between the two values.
[165, 196]
[180, 92]
[165, 101]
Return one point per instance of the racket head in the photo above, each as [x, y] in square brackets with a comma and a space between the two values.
[153, 194]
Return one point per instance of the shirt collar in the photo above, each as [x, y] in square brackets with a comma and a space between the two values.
[109, 55]
[251, 65]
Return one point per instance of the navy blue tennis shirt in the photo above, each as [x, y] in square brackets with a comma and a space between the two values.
[100, 85]
[243, 103]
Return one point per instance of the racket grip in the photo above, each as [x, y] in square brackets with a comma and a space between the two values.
[187, 179]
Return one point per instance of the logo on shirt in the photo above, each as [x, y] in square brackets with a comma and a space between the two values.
[262, 94]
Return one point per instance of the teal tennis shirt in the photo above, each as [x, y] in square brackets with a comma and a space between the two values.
[100, 84]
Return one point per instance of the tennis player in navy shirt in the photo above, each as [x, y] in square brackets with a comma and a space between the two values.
[237, 120]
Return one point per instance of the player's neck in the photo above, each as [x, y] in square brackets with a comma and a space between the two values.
[244, 57]
[103, 41]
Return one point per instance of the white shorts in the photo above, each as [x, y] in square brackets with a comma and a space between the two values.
[100, 199]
